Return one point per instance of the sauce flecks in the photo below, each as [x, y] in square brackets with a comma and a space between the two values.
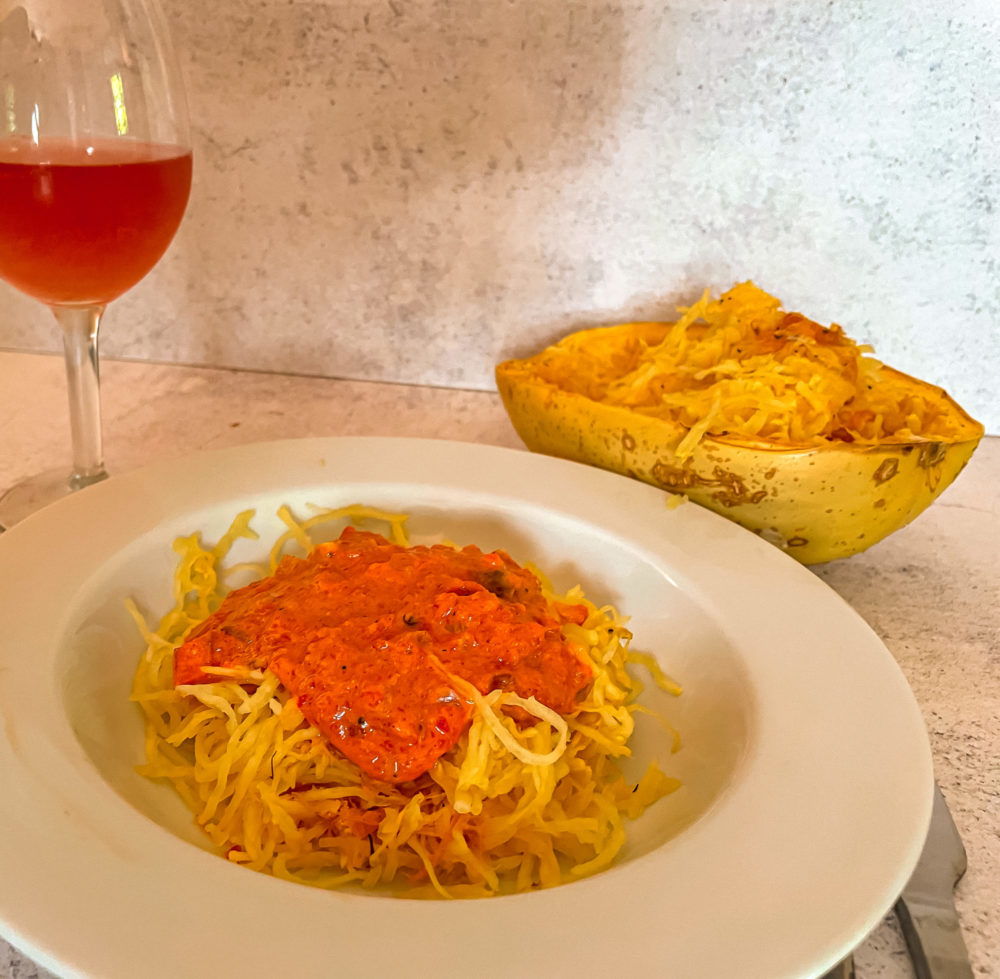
[366, 635]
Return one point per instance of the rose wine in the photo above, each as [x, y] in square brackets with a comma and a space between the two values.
[82, 222]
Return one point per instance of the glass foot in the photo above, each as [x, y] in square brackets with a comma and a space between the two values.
[30, 495]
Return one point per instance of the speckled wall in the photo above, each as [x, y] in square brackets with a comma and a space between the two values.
[410, 190]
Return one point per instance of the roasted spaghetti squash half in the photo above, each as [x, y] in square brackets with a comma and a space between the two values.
[787, 427]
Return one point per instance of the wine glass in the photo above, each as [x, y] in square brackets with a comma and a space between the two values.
[95, 174]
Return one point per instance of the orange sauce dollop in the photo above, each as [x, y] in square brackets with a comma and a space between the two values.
[365, 635]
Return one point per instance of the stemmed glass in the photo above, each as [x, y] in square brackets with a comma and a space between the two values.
[95, 174]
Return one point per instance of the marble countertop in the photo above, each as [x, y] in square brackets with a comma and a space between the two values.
[930, 591]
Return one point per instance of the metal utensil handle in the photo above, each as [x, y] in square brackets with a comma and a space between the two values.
[842, 970]
[934, 939]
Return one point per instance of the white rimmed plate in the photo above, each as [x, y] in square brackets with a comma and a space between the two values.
[806, 767]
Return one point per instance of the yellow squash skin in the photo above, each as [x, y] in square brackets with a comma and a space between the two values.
[818, 503]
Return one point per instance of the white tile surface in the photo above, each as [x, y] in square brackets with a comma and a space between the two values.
[408, 191]
[930, 590]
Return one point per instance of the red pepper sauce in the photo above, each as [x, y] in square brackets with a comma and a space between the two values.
[359, 631]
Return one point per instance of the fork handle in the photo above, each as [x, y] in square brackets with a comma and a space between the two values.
[934, 939]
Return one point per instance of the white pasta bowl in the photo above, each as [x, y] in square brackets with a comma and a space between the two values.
[804, 761]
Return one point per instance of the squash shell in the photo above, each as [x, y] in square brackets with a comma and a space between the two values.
[818, 503]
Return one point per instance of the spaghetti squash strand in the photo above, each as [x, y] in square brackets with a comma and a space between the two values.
[741, 367]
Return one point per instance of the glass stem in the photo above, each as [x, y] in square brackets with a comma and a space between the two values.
[79, 328]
